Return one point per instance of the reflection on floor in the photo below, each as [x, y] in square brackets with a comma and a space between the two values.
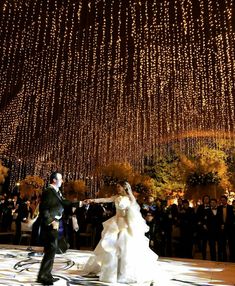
[19, 266]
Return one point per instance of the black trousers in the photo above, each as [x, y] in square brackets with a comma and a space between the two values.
[204, 241]
[225, 239]
[50, 243]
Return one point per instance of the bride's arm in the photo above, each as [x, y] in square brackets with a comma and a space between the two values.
[129, 192]
[101, 200]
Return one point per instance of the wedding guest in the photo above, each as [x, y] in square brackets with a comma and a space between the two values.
[180, 204]
[149, 206]
[175, 230]
[233, 204]
[151, 234]
[226, 219]
[233, 234]
[213, 229]
[187, 229]
[202, 216]
[22, 212]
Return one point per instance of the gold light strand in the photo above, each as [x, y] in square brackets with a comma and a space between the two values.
[68, 110]
[21, 139]
[112, 89]
[154, 127]
[230, 60]
[6, 27]
[139, 93]
[134, 83]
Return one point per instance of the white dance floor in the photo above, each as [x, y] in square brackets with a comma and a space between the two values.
[19, 266]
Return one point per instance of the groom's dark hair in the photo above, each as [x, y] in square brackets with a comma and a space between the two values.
[53, 176]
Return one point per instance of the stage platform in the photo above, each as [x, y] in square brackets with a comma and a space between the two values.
[19, 266]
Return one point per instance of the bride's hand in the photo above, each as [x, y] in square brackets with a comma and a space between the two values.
[128, 187]
[129, 192]
[88, 201]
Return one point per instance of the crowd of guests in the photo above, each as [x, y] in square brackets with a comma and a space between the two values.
[15, 210]
[180, 230]
[176, 230]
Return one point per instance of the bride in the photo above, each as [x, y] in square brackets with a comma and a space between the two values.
[123, 254]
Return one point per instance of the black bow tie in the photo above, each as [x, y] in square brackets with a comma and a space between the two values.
[214, 208]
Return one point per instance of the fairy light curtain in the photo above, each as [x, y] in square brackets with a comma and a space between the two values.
[85, 83]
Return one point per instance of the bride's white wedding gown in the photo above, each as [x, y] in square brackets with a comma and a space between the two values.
[123, 254]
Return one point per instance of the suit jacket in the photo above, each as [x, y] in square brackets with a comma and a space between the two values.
[24, 212]
[202, 216]
[213, 224]
[229, 218]
[51, 206]
[187, 222]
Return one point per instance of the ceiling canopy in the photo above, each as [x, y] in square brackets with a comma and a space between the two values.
[85, 83]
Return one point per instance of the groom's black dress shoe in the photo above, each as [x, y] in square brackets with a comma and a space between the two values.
[47, 281]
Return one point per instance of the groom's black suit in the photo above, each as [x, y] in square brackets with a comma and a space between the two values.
[51, 209]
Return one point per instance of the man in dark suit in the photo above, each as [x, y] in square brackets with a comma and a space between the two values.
[213, 229]
[50, 212]
[187, 229]
[202, 217]
[24, 212]
[226, 218]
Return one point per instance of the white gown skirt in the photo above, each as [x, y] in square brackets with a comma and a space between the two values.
[123, 254]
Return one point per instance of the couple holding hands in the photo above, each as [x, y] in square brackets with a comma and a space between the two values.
[122, 255]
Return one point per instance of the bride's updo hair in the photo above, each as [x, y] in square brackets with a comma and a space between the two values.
[122, 183]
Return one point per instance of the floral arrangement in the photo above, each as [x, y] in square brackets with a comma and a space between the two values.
[143, 184]
[3, 173]
[34, 181]
[31, 185]
[116, 172]
[75, 190]
[203, 179]
[111, 174]
[207, 166]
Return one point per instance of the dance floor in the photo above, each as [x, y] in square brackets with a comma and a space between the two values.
[19, 266]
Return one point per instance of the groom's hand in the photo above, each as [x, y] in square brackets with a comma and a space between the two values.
[55, 225]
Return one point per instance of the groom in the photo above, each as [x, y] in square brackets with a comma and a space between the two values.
[50, 211]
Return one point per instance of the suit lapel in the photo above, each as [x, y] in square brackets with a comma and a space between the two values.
[56, 193]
